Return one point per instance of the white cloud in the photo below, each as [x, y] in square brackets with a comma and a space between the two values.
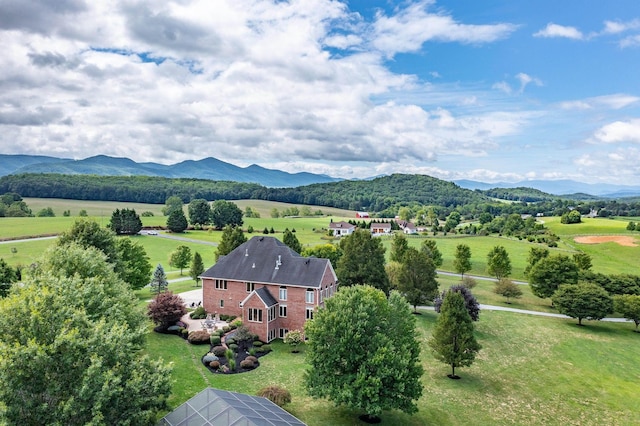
[616, 27]
[620, 166]
[409, 28]
[615, 101]
[554, 30]
[631, 41]
[502, 86]
[526, 79]
[618, 132]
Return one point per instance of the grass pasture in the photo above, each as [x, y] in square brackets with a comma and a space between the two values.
[531, 370]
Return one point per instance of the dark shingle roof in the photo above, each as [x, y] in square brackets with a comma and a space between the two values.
[218, 407]
[266, 297]
[268, 260]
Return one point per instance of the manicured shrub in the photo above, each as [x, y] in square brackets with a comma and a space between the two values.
[236, 322]
[276, 394]
[233, 347]
[198, 313]
[252, 358]
[214, 364]
[252, 351]
[185, 333]
[243, 334]
[226, 329]
[209, 357]
[230, 341]
[257, 343]
[174, 328]
[264, 349]
[215, 340]
[198, 337]
[232, 364]
[219, 351]
[247, 364]
[228, 353]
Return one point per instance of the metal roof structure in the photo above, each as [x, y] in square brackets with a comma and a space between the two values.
[215, 407]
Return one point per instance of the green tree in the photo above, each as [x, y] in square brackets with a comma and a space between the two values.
[549, 273]
[199, 212]
[293, 339]
[628, 305]
[452, 340]
[362, 261]
[133, 263]
[125, 222]
[172, 204]
[393, 268]
[583, 301]
[535, 254]
[430, 248]
[46, 212]
[324, 251]
[8, 276]
[197, 268]
[582, 261]
[571, 217]
[498, 262]
[470, 301]
[291, 241]
[159, 283]
[399, 245]
[354, 359]
[452, 221]
[165, 309]
[180, 257]
[88, 233]
[417, 278]
[177, 222]
[405, 213]
[225, 213]
[78, 359]
[508, 289]
[462, 260]
[231, 238]
[274, 213]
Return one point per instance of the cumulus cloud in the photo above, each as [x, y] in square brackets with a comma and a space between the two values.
[616, 27]
[618, 132]
[554, 30]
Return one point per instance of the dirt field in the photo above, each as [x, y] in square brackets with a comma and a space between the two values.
[620, 239]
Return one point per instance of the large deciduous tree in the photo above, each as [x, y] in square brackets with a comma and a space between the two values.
[548, 273]
[462, 259]
[180, 257]
[498, 262]
[417, 278]
[232, 237]
[133, 265]
[535, 254]
[71, 341]
[453, 341]
[172, 204]
[583, 301]
[362, 261]
[628, 305]
[88, 233]
[324, 251]
[199, 212]
[225, 213]
[356, 361]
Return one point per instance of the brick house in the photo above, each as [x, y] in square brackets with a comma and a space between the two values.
[270, 286]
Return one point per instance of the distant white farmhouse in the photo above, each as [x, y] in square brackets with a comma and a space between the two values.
[341, 228]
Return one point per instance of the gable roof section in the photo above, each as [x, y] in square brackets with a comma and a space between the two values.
[213, 407]
[342, 224]
[265, 296]
[382, 225]
[268, 260]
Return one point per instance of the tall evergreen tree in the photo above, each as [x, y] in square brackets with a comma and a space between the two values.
[159, 283]
[177, 222]
[452, 340]
[290, 239]
[125, 222]
[232, 237]
[197, 268]
[362, 261]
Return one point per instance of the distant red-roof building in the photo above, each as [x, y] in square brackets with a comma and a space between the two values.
[362, 215]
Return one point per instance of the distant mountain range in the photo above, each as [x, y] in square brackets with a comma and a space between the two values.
[208, 168]
[214, 169]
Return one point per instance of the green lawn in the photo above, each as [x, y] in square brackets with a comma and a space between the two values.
[531, 370]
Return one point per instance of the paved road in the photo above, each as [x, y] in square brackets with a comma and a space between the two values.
[185, 239]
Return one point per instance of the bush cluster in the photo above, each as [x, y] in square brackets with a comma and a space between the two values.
[218, 351]
[198, 313]
[198, 337]
[275, 394]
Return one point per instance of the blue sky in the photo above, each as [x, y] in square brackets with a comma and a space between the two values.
[489, 90]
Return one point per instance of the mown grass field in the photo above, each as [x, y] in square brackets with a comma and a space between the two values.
[531, 370]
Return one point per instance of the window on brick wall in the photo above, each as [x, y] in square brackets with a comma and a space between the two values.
[283, 293]
[221, 284]
[309, 313]
[255, 315]
[272, 313]
[222, 303]
[272, 334]
[250, 287]
[309, 296]
[283, 311]
[283, 332]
